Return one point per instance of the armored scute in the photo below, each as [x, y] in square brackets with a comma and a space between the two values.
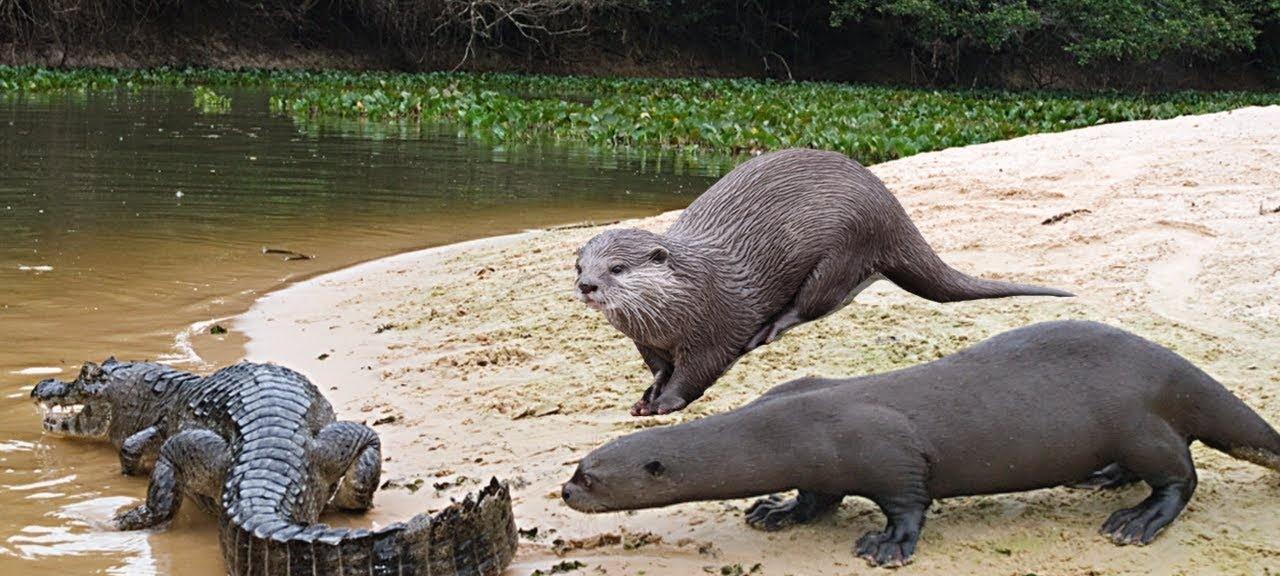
[258, 446]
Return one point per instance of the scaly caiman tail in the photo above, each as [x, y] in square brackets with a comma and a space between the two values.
[475, 537]
[916, 268]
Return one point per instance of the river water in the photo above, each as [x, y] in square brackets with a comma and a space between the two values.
[131, 223]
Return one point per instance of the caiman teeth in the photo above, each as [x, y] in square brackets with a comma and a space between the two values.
[55, 413]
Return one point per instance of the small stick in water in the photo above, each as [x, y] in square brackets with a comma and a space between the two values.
[288, 254]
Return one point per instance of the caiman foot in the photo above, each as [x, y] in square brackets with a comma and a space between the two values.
[136, 518]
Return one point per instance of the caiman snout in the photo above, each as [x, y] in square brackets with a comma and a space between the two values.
[48, 389]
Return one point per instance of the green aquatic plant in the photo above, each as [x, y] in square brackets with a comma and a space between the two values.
[209, 102]
[870, 123]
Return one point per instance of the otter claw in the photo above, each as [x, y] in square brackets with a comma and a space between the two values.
[884, 550]
[772, 513]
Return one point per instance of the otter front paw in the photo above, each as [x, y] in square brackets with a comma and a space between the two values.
[644, 407]
[885, 550]
[668, 403]
[774, 513]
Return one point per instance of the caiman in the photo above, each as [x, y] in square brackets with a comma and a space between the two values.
[258, 446]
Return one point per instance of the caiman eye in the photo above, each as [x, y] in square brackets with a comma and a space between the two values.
[655, 468]
[617, 269]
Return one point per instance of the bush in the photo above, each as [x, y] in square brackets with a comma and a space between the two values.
[870, 123]
[1090, 30]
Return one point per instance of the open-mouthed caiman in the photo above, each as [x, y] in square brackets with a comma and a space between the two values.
[258, 446]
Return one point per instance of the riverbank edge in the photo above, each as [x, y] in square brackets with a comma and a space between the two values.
[369, 396]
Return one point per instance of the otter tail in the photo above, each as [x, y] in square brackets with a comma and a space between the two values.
[1225, 423]
[916, 268]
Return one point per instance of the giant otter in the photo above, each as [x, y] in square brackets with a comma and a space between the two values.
[1040, 406]
[785, 238]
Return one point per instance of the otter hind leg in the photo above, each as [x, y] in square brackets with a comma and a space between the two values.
[1167, 467]
[832, 285]
[894, 545]
[1109, 477]
[775, 513]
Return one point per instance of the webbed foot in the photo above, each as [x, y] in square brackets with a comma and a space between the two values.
[1109, 477]
[136, 518]
[1142, 523]
[775, 513]
[665, 403]
[644, 406]
[886, 549]
[668, 403]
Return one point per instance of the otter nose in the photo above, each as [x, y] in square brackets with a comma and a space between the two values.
[587, 288]
[565, 493]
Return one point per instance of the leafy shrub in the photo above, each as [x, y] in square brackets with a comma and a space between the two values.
[1090, 30]
[870, 123]
[210, 102]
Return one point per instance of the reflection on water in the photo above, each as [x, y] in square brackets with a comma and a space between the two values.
[127, 217]
[78, 530]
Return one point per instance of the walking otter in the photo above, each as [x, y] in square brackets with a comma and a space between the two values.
[785, 238]
[1037, 407]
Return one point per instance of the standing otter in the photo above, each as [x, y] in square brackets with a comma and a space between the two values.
[785, 238]
[1037, 407]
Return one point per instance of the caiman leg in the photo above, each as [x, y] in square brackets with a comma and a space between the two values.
[139, 450]
[353, 453]
[194, 461]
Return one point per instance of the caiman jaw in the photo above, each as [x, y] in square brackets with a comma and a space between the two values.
[68, 414]
[59, 418]
[76, 420]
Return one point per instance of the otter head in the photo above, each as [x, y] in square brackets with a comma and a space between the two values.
[91, 406]
[701, 460]
[625, 273]
[635, 471]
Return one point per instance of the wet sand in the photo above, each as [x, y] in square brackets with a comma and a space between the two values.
[480, 362]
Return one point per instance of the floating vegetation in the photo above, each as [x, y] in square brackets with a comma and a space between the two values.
[870, 123]
[209, 102]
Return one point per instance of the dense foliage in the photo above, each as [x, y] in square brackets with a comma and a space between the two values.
[1039, 43]
[871, 124]
[1090, 30]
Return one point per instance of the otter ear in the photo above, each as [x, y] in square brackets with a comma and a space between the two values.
[659, 255]
[655, 468]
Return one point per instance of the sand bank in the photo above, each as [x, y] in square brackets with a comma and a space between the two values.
[475, 360]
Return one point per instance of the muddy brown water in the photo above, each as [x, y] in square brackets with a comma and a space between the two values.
[131, 223]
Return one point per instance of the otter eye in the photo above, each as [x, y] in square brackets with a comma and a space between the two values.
[617, 269]
[655, 468]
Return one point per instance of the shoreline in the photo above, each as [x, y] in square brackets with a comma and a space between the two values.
[485, 366]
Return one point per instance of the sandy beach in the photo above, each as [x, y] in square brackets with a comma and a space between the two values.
[474, 360]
